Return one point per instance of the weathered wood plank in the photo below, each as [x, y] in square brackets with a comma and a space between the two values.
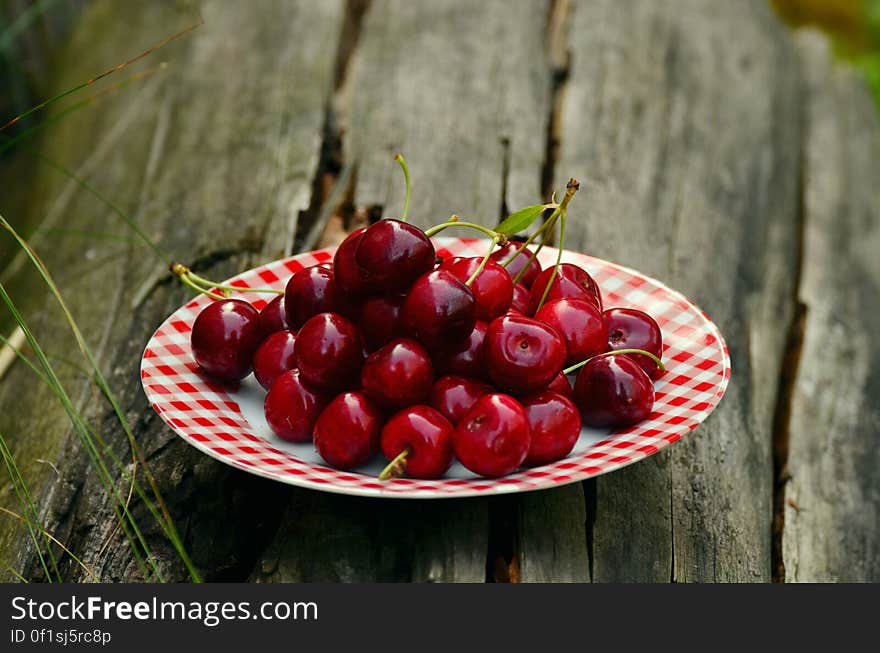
[832, 498]
[686, 142]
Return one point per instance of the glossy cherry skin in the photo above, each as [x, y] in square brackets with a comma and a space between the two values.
[466, 358]
[522, 354]
[520, 301]
[329, 352]
[274, 356]
[347, 431]
[581, 326]
[348, 274]
[571, 282]
[392, 254]
[273, 317]
[426, 434]
[612, 390]
[629, 328]
[398, 374]
[224, 338]
[454, 396]
[439, 310]
[292, 407]
[504, 252]
[492, 288]
[311, 291]
[380, 321]
[554, 426]
[493, 438]
[561, 385]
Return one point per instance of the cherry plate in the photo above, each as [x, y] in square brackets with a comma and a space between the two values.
[227, 423]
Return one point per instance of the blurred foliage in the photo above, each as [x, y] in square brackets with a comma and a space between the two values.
[853, 25]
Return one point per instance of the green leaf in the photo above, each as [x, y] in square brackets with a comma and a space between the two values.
[520, 220]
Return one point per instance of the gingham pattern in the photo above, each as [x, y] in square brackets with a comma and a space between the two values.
[208, 417]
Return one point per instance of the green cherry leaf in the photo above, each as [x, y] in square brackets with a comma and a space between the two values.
[521, 220]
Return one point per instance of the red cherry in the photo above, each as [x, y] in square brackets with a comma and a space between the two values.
[392, 254]
[397, 375]
[454, 396]
[380, 320]
[439, 310]
[520, 302]
[348, 274]
[274, 356]
[522, 354]
[465, 358]
[629, 328]
[493, 437]
[425, 434]
[311, 291]
[581, 326]
[492, 288]
[273, 317]
[329, 351]
[504, 252]
[554, 425]
[347, 431]
[224, 338]
[561, 385]
[571, 282]
[292, 407]
[613, 390]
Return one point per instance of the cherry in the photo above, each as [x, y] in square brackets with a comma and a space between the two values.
[554, 426]
[492, 439]
[504, 252]
[465, 358]
[311, 291]
[562, 386]
[274, 356]
[492, 288]
[419, 440]
[439, 310]
[348, 274]
[613, 390]
[397, 375]
[225, 336]
[629, 328]
[520, 302]
[392, 254]
[522, 354]
[329, 351]
[571, 282]
[273, 317]
[347, 431]
[581, 326]
[292, 407]
[380, 320]
[454, 396]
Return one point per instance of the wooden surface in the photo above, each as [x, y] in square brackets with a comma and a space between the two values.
[723, 166]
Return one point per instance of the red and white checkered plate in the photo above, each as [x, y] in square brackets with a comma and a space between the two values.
[228, 423]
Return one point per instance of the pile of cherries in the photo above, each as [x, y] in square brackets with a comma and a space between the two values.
[392, 349]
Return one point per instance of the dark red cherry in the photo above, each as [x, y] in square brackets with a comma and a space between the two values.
[492, 439]
[571, 282]
[629, 328]
[398, 374]
[274, 356]
[465, 358]
[520, 302]
[439, 310]
[292, 407]
[521, 257]
[612, 390]
[273, 317]
[380, 320]
[554, 426]
[392, 254]
[347, 431]
[561, 385]
[348, 274]
[224, 338]
[311, 291]
[425, 434]
[522, 354]
[492, 288]
[329, 352]
[454, 396]
[581, 326]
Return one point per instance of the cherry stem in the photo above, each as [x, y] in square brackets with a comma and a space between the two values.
[531, 238]
[455, 222]
[399, 158]
[483, 263]
[186, 282]
[558, 261]
[569, 370]
[207, 287]
[396, 467]
[207, 282]
[570, 189]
